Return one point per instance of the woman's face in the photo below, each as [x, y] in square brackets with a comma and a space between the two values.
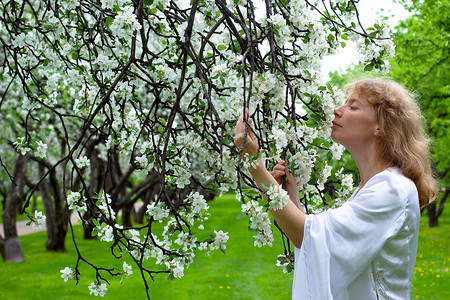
[354, 123]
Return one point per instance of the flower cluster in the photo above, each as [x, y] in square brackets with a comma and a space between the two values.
[220, 239]
[38, 220]
[98, 290]
[337, 150]
[82, 162]
[105, 232]
[21, 145]
[41, 150]
[259, 222]
[76, 202]
[157, 211]
[125, 23]
[105, 206]
[286, 262]
[376, 55]
[277, 197]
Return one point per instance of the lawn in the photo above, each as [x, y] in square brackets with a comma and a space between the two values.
[245, 272]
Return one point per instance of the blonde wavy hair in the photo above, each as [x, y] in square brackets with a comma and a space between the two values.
[402, 140]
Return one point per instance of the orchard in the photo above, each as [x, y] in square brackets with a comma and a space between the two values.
[109, 103]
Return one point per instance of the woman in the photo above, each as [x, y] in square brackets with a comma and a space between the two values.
[365, 249]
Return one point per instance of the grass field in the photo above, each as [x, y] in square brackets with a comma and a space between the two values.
[245, 272]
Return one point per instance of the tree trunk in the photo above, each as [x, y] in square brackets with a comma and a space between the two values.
[432, 217]
[433, 213]
[12, 249]
[57, 216]
[126, 215]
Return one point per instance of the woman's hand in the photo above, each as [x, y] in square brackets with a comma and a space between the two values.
[248, 138]
[288, 183]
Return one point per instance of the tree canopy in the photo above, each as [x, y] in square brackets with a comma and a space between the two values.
[114, 102]
[422, 64]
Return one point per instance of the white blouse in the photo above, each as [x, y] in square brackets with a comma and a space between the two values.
[365, 249]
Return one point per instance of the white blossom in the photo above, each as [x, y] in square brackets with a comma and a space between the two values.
[106, 233]
[125, 23]
[104, 206]
[337, 150]
[127, 269]
[21, 145]
[97, 290]
[220, 239]
[82, 162]
[278, 197]
[67, 274]
[158, 211]
[199, 203]
[260, 222]
[41, 150]
[38, 220]
[76, 202]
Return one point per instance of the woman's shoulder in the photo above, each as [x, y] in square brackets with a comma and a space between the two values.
[391, 186]
[394, 177]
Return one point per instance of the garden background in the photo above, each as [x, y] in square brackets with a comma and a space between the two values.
[248, 272]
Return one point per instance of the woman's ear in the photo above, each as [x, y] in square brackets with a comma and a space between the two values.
[377, 131]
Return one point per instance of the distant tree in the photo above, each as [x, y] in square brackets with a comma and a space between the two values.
[422, 63]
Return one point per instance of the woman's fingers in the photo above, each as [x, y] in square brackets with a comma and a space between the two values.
[244, 136]
[277, 175]
[279, 167]
[251, 131]
[239, 130]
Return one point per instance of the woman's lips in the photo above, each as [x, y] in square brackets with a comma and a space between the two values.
[335, 124]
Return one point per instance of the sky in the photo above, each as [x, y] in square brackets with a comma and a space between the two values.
[368, 10]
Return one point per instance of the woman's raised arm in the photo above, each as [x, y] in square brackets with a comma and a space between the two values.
[290, 218]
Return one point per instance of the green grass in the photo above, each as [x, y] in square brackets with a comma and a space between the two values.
[245, 272]
[431, 276]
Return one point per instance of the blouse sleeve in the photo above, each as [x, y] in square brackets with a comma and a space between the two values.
[339, 244]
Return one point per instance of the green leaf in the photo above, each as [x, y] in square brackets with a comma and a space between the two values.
[221, 47]
[265, 185]
[369, 67]
[331, 38]
[109, 20]
[328, 198]
[255, 156]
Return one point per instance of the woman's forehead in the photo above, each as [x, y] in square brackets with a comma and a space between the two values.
[354, 97]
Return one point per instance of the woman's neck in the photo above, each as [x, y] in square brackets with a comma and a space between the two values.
[369, 164]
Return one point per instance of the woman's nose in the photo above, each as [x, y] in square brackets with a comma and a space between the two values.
[337, 111]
